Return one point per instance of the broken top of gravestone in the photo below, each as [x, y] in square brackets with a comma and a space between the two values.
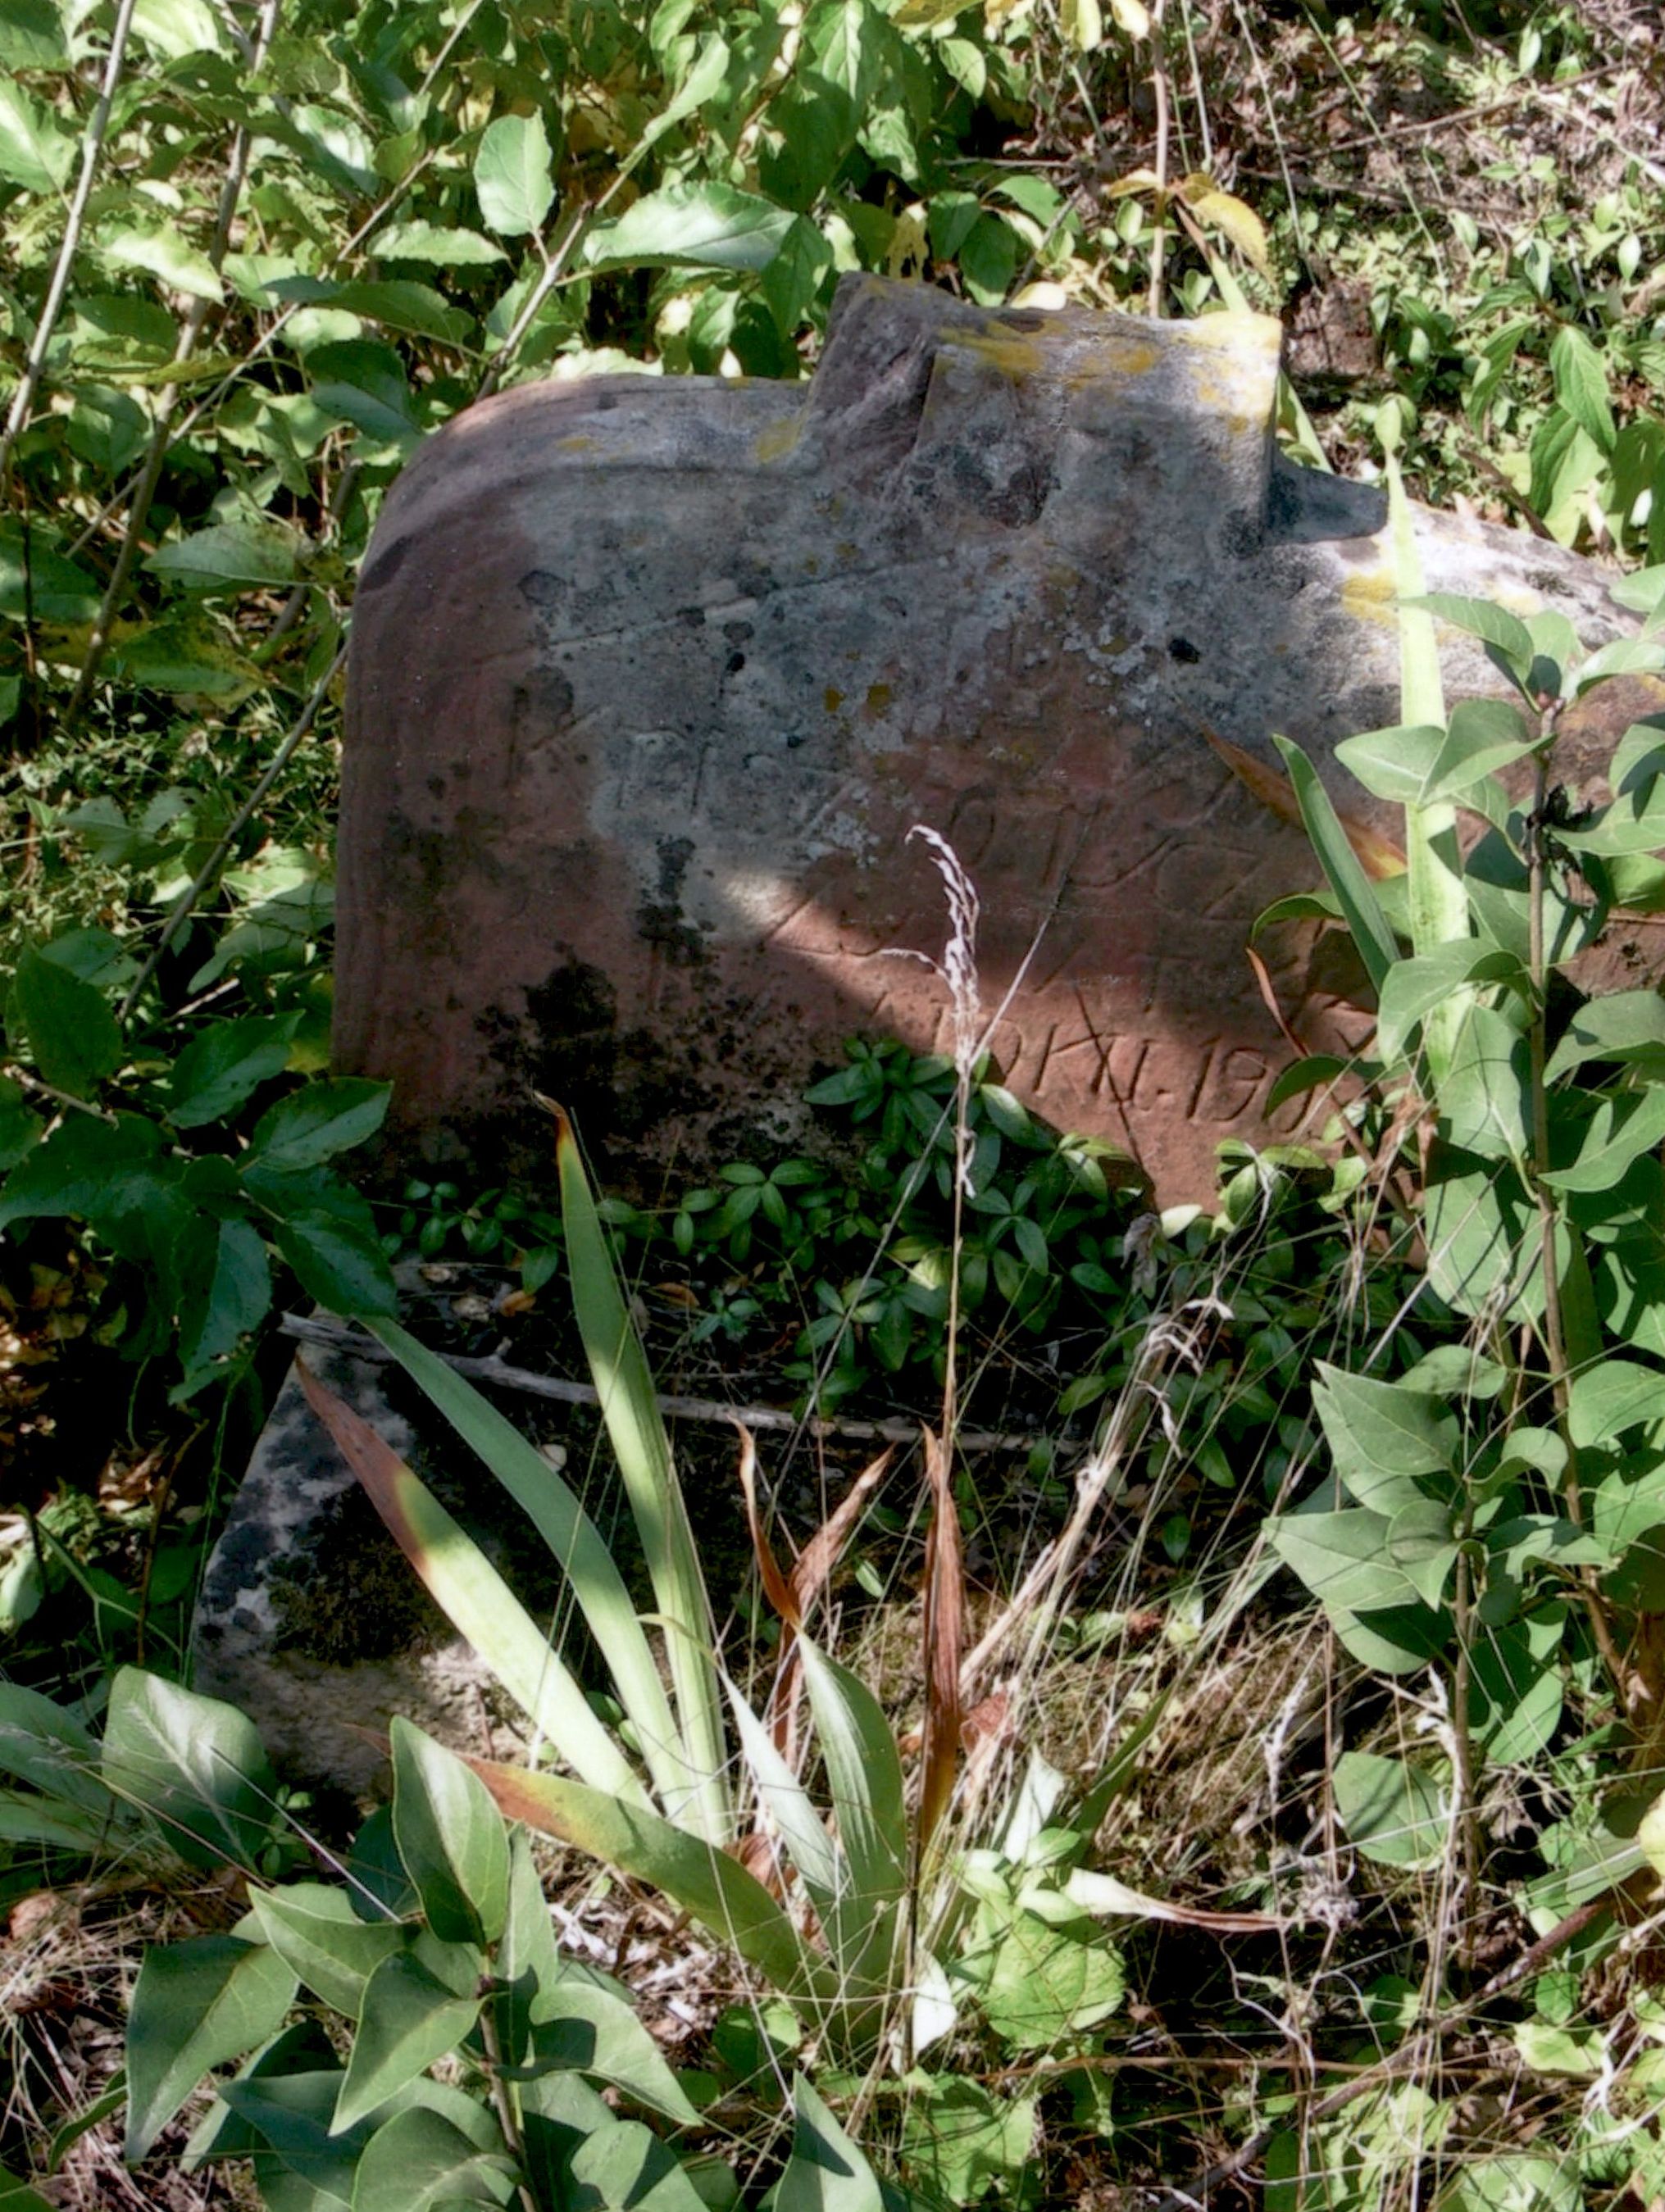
[650, 679]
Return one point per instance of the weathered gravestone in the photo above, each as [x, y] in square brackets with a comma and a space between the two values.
[650, 678]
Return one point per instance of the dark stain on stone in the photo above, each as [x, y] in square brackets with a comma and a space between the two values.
[1181, 649]
[543, 589]
[386, 566]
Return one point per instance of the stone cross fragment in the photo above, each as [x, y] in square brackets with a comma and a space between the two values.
[651, 677]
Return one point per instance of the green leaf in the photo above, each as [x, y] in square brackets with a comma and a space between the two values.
[1516, 2181]
[1618, 1395]
[705, 1883]
[225, 1290]
[444, 245]
[961, 2139]
[73, 1038]
[1484, 619]
[222, 1068]
[44, 1745]
[1048, 1982]
[1483, 736]
[31, 37]
[1377, 947]
[1414, 990]
[512, 175]
[36, 581]
[88, 1166]
[165, 255]
[313, 1124]
[1342, 1558]
[698, 226]
[338, 1262]
[450, 1838]
[1394, 1812]
[36, 150]
[196, 1764]
[1485, 1098]
[1625, 656]
[1382, 1436]
[1393, 764]
[195, 2005]
[1421, 1545]
[625, 2168]
[826, 2172]
[1515, 1694]
[1619, 1132]
[16, 2195]
[314, 1928]
[292, 2112]
[410, 2020]
[419, 2160]
[637, 1431]
[1581, 385]
[233, 555]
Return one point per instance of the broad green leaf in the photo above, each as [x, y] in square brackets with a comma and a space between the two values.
[1484, 619]
[1515, 1695]
[20, 1127]
[826, 2172]
[225, 1289]
[314, 1928]
[339, 1263]
[195, 2005]
[1049, 1983]
[195, 1764]
[72, 1035]
[165, 255]
[1342, 1558]
[961, 2139]
[88, 1166]
[1393, 764]
[1483, 736]
[176, 28]
[222, 1068]
[37, 580]
[32, 35]
[1375, 943]
[313, 1124]
[704, 81]
[864, 1781]
[451, 1839]
[512, 175]
[475, 1599]
[1620, 1130]
[625, 2167]
[444, 245]
[229, 554]
[713, 1889]
[1382, 1437]
[1626, 656]
[1581, 385]
[1485, 1099]
[35, 149]
[1617, 1395]
[698, 226]
[410, 2020]
[1422, 1545]
[1235, 220]
[575, 1543]
[637, 1431]
[1516, 2181]
[402, 304]
[1393, 1812]
[419, 2160]
[577, 2025]
[190, 652]
[291, 2113]
[1082, 24]
[16, 2195]
[1415, 991]
[43, 1743]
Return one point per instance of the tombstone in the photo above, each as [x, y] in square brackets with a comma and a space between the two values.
[650, 678]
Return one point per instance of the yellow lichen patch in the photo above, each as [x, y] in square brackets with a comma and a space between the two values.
[1013, 353]
[579, 442]
[1234, 333]
[1114, 353]
[877, 701]
[774, 443]
[831, 699]
[1372, 597]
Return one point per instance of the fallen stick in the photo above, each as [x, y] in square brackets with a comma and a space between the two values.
[335, 1336]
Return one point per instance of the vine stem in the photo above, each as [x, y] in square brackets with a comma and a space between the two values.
[92, 145]
[1159, 199]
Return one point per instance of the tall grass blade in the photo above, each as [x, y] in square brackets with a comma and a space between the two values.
[870, 1810]
[575, 1542]
[708, 1885]
[1377, 946]
[474, 1598]
[619, 1368]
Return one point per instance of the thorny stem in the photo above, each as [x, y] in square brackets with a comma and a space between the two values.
[1555, 1343]
[92, 145]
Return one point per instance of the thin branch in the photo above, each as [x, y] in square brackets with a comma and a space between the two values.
[92, 145]
[497, 1372]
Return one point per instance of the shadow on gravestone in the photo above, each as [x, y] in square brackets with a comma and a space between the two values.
[650, 678]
